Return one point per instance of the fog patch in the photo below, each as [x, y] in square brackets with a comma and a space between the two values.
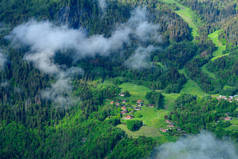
[102, 4]
[4, 84]
[140, 59]
[3, 60]
[61, 91]
[202, 146]
[45, 39]
[143, 29]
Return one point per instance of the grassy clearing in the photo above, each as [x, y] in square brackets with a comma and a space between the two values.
[210, 74]
[216, 54]
[234, 126]
[220, 46]
[139, 92]
[153, 120]
[105, 84]
[188, 16]
[169, 100]
[148, 132]
[153, 117]
[191, 87]
[143, 131]
[136, 91]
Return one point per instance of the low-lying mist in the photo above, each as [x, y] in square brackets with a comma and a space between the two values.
[2, 59]
[45, 39]
[202, 146]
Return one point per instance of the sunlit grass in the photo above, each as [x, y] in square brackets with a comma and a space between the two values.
[188, 16]
[220, 46]
[136, 91]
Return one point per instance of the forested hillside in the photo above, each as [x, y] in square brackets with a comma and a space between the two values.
[114, 78]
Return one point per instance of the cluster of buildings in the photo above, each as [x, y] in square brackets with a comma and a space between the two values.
[230, 98]
[227, 117]
[126, 109]
[170, 125]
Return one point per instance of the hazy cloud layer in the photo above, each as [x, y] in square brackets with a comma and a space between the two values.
[2, 60]
[202, 146]
[45, 39]
[102, 4]
[4, 84]
[140, 59]
[142, 28]
[60, 91]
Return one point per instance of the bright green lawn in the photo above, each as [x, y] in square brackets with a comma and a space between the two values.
[220, 47]
[188, 15]
[143, 131]
[153, 120]
[218, 53]
[210, 74]
[136, 91]
[234, 126]
[169, 100]
[191, 87]
[153, 117]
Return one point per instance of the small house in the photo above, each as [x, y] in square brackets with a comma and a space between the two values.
[171, 126]
[123, 108]
[168, 122]
[140, 102]
[151, 105]
[227, 118]
[128, 117]
[137, 108]
[164, 130]
[124, 112]
[122, 94]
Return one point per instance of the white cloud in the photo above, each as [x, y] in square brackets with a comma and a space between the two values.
[140, 59]
[61, 91]
[202, 146]
[45, 39]
[142, 27]
[102, 4]
[3, 60]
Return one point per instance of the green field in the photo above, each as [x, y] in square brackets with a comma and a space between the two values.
[136, 91]
[143, 131]
[220, 46]
[216, 54]
[153, 117]
[153, 120]
[210, 74]
[188, 16]
[191, 87]
[148, 132]
[234, 126]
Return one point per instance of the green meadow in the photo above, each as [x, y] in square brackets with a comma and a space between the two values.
[220, 46]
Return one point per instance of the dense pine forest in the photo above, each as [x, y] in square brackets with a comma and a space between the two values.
[118, 79]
